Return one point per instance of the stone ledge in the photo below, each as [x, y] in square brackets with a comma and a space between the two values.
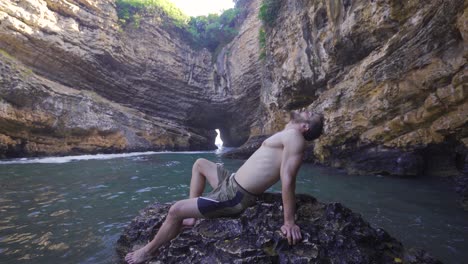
[331, 233]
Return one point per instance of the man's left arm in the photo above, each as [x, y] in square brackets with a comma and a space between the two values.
[291, 161]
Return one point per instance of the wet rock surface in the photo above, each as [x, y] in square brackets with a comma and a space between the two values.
[331, 234]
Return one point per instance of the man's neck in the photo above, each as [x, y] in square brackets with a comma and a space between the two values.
[291, 126]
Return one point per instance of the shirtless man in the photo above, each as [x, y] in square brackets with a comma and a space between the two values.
[279, 158]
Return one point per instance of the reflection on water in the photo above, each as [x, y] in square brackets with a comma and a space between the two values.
[74, 211]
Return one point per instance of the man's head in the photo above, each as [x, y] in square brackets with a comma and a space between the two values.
[308, 123]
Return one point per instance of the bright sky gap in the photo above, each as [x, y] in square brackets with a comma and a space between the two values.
[218, 141]
[203, 7]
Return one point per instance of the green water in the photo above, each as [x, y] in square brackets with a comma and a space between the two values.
[74, 212]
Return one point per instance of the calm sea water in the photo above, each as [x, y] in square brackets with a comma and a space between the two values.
[73, 209]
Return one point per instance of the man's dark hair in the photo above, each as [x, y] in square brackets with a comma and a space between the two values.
[315, 127]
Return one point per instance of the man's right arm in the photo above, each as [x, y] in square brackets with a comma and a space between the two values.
[293, 147]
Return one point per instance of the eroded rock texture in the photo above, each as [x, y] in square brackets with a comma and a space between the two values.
[74, 80]
[331, 234]
[390, 78]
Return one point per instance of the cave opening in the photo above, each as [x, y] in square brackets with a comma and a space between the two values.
[218, 141]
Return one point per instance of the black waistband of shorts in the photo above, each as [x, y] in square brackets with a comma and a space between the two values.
[242, 188]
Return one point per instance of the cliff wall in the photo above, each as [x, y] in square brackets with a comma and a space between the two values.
[89, 80]
[74, 80]
[389, 76]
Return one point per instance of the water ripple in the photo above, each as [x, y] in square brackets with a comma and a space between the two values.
[100, 186]
[18, 238]
[60, 212]
[148, 189]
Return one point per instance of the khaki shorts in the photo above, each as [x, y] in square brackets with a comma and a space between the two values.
[228, 199]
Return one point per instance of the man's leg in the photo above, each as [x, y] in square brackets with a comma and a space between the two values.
[202, 171]
[170, 228]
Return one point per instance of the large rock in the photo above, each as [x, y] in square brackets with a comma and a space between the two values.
[331, 234]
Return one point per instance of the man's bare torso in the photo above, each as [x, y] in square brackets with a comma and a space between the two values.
[262, 169]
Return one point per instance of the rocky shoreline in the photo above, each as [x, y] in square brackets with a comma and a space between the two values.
[332, 234]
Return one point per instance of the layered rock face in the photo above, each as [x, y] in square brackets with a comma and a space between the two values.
[389, 76]
[331, 234]
[237, 81]
[73, 80]
[83, 71]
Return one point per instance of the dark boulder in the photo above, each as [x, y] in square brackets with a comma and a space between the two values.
[371, 159]
[331, 233]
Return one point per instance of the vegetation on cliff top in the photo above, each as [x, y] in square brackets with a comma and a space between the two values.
[131, 11]
[211, 32]
[268, 13]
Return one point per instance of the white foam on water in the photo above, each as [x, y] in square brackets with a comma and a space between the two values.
[92, 157]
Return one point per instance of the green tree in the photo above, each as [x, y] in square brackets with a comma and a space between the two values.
[213, 30]
[128, 9]
[209, 32]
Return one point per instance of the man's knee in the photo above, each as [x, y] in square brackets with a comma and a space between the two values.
[199, 164]
[175, 211]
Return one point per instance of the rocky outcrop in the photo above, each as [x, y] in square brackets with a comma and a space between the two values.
[331, 234]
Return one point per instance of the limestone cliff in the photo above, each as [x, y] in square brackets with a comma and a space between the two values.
[73, 80]
[389, 76]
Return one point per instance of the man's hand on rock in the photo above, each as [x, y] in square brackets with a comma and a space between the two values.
[292, 232]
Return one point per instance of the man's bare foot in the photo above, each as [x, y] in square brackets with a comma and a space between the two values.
[138, 256]
[188, 222]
